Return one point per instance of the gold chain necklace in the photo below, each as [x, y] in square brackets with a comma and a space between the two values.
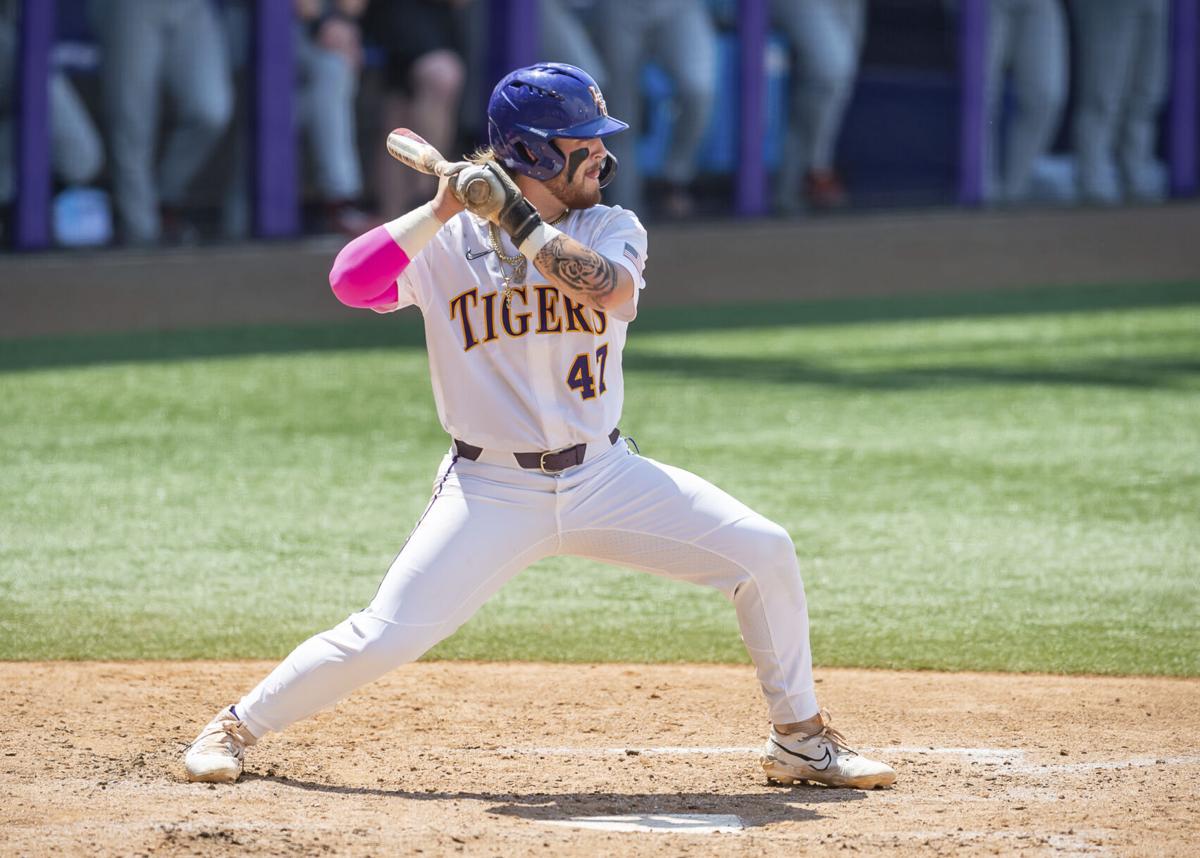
[517, 265]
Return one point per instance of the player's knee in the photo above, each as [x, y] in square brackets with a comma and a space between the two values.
[332, 73]
[818, 83]
[696, 94]
[440, 74]
[772, 554]
[86, 161]
[208, 113]
[1043, 102]
[1098, 107]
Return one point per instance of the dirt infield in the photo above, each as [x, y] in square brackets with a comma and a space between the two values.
[519, 759]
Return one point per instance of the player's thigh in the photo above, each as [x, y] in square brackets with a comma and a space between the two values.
[1150, 71]
[663, 519]
[818, 38]
[687, 46]
[198, 72]
[474, 536]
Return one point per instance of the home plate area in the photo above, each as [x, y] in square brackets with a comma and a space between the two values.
[517, 759]
[658, 823]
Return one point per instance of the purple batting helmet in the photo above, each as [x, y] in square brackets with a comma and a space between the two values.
[534, 104]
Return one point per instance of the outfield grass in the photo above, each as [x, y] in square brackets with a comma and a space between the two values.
[1008, 481]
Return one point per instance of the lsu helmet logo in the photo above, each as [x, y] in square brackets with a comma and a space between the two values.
[599, 99]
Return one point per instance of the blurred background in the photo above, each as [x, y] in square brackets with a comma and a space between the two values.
[160, 123]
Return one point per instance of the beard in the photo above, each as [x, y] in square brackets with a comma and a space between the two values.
[575, 195]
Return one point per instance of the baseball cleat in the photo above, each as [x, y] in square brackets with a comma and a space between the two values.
[822, 758]
[216, 755]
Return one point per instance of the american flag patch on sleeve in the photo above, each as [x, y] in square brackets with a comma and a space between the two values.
[631, 252]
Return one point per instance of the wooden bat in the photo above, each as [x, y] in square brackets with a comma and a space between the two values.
[411, 149]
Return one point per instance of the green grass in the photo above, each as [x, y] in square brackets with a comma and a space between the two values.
[1007, 481]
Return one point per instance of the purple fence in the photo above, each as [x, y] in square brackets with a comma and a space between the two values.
[514, 31]
[33, 124]
[972, 71]
[751, 190]
[276, 191]
[515, 36]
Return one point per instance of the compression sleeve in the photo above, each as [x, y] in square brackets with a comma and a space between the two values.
[365, 271]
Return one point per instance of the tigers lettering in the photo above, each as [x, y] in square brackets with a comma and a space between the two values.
[545, 311]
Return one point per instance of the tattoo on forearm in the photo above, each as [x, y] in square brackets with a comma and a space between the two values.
[582, 270]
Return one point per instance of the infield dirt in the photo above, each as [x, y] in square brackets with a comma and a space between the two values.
[512, 759]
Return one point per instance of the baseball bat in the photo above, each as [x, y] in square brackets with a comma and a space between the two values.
[411, 149]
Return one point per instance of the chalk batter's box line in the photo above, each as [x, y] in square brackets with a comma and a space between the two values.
[1010, 759]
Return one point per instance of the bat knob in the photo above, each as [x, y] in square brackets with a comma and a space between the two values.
[477, 191]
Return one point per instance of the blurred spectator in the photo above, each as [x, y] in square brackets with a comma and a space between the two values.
[236, 215]
[330, 58]
[146, 45]
[1122, 50]
[825, 38]
[564, 37]
[423, 77]
[1027, 39]
[678, 35]
[76, 151]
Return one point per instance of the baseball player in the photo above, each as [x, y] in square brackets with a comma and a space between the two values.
[527, 297]
[1123, 49]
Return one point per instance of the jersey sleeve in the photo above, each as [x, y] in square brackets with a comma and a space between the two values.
[623, 240]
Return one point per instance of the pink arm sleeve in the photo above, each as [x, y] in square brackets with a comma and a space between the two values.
[364, 273]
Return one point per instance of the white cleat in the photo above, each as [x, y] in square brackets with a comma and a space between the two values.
[822, 758]
[216, 755]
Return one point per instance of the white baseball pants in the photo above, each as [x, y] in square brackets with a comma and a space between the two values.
[487, 522]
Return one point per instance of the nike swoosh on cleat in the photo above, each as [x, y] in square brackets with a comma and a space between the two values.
[826, 761]
[471, 255]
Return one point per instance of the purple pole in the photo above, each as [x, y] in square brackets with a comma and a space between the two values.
[972, 64]
[516, 32]
[1182, 146]
[277, 210]
[751, 194]
[33, 124]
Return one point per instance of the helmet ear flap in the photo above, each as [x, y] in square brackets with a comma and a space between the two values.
[522, 149]
[608, 170]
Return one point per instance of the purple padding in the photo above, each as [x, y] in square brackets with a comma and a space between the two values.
[276, 197]
[972, 61]
[515, 31]
[1182, 146]
[33, 124]
[752, 45]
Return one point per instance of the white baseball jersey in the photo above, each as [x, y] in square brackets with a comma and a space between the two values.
[540, 374]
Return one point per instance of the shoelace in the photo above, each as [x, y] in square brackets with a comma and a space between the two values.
[234, 740]
[227, 735]
[831, 733]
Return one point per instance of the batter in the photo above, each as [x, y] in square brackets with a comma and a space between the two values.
[526, 315]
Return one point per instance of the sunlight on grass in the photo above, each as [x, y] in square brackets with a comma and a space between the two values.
[1011, 490]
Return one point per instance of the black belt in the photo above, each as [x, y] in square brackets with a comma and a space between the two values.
[551, 461]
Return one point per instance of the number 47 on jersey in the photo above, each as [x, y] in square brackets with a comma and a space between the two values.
[581, 378]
